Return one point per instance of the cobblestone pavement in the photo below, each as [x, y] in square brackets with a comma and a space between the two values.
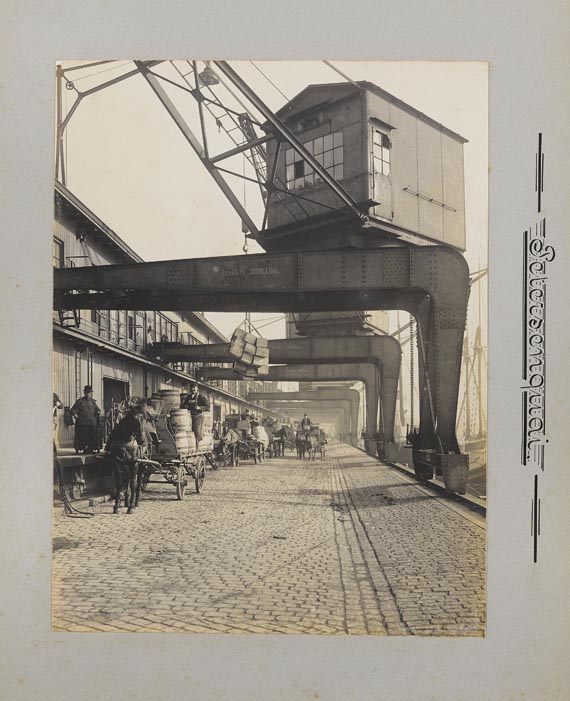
[344, 546]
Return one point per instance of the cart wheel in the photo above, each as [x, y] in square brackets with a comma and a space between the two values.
[180, 483]
[200, 473]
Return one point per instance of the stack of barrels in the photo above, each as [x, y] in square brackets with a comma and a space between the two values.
[170, 399]
[207, 442]
[181, 424]
[180, 421]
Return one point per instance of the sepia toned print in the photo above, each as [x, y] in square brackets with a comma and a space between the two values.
[270, 285]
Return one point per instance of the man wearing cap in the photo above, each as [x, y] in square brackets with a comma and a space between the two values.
[86, 414]
[196, 403]
[305, 423]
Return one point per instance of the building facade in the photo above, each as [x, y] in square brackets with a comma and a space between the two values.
[112, 350]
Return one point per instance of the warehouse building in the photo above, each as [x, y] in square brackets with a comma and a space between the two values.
[109, 350]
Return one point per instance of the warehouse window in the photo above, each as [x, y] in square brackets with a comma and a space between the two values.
[58, 253]
[381, 152]
[131, 327]
[327, 150]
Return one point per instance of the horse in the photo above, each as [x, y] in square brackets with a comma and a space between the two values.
[229, 445]
[278, 442]
[124, 446]
[322, 443]
[314, 444]
[302, 443]
[289, 439]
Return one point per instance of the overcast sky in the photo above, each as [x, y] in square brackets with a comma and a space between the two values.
[127, 161]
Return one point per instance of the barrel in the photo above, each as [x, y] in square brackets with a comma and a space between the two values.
[207, 422]
[170, 399]
[181, 441]
[180, 419]
[191, 442]
[207, 443]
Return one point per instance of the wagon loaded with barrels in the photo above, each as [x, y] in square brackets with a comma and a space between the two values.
[179, 453]
[242, 441]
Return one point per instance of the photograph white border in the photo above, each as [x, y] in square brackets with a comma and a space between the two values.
[524, 653]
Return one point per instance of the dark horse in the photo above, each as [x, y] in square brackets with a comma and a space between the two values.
[307, 443]
[302, 443]
[229, 446]
[124, 446]
[278, 442]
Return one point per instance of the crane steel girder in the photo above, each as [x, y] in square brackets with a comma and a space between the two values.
[341, 410]
[431, 282]
[382, 351]
[324, 394]
[367, 373]
[320, 408]
[344, 404]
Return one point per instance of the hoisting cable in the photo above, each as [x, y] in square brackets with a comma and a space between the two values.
[104, 70]
[270, 81]
[89, 65]
[245, 231]
[337, 70]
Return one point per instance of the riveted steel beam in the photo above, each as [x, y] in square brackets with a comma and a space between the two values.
[341, 410]
[367, 373]
[382, 351]
[432, 283]
[323, 394]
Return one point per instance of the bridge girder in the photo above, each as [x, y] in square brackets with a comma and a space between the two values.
[367, 373]
[341, 410]
[323, 394]
[432, 283]
[384, 352]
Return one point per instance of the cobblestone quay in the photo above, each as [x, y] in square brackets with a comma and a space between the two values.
[343, 546]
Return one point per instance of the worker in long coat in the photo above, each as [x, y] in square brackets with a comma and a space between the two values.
[86, 414]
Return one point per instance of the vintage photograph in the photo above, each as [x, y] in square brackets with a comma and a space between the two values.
[270, 345]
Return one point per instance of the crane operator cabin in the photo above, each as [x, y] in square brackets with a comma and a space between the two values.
[404, 170]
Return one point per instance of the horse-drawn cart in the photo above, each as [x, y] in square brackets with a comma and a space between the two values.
[179, 457]
[311, 441]
[237, 443]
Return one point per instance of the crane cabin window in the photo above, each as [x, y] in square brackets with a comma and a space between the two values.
[328, 152]
[381, 152]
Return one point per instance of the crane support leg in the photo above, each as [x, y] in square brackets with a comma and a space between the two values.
[324, 394]
[319, 410]
[367, 373]
[381, 351]
[432, 283]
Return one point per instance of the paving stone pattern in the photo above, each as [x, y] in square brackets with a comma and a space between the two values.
[343, 546]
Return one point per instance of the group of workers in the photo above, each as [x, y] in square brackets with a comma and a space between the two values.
[86, 413]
